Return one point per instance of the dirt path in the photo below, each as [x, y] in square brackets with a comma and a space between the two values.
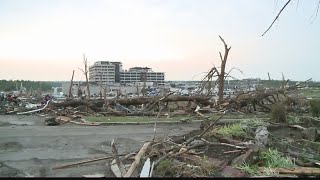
[28, 148]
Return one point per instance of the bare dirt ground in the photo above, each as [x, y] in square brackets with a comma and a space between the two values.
[29, 148]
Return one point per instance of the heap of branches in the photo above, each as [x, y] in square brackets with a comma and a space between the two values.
[250, 101]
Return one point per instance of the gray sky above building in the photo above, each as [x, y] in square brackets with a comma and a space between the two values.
[45, 40]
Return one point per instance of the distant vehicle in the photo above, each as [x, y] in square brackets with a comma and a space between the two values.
[152, 93]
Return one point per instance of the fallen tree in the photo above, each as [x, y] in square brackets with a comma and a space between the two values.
[134, 101]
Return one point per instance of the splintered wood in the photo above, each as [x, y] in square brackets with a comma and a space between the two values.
[137, 159]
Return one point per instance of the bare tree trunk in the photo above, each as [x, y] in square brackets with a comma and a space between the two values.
[209, 86]
[105, 92]
[138, 90]
[85, 72]
[101, 86]
[144, 84]
[221, 77]
[88, 86]
[71, 82]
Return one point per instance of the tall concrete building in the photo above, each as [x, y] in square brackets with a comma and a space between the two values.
[105, 72]
[139, 74]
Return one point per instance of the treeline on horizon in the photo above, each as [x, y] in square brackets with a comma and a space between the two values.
[14, 85]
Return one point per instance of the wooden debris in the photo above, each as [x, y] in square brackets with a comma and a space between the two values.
[234, 151]
[242, 158]
[115, 169]
[137, 159]
[117, 164]
[63, 119]
[310, 134]
[36, 110]
[82, 162]
[298, 127]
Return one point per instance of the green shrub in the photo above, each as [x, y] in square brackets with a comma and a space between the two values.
[278, 112]
[165, 169]
[248, 169]
[293, 119]
[315, 107]
[273, 159]
[233, 130]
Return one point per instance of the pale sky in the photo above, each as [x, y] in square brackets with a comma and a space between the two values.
[46, 39]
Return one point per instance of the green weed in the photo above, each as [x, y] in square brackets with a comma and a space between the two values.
[233, 130]
[273, 159]
[278, 113]
[315, 107]
[248, 169]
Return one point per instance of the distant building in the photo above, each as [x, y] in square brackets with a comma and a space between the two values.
[141, 74]
[105, 72]
[109, 73]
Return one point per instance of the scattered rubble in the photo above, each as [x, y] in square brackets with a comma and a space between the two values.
[236, 150]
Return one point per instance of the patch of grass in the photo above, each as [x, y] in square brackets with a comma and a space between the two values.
[315, 107]
[248, 169]
[239, 116]
[293, 119]
[206, 168]
[310, 93]
[278, 113]
[312, 144]
[254, 122]
[233, 130]
[165, 169]
[273, 159]
[132, 118]
[170, 168]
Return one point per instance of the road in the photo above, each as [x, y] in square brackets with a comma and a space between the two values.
[28, 148]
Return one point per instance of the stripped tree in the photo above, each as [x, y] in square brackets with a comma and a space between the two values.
[219, 73]
[85, 72]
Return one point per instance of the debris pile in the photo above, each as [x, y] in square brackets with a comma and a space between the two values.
[218, 152]
[249, 147]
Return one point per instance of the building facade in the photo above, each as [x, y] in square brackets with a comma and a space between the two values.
[105, 72]
[141, 74]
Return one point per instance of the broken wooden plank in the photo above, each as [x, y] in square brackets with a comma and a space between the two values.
[82, 162]
[242, 158]
[115, 169]
[118, 162]
[137, 159]
[63, 119]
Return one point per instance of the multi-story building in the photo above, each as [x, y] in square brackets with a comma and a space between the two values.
[141, 74]
[105, 72]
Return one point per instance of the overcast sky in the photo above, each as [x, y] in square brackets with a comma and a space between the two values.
[46, 39]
